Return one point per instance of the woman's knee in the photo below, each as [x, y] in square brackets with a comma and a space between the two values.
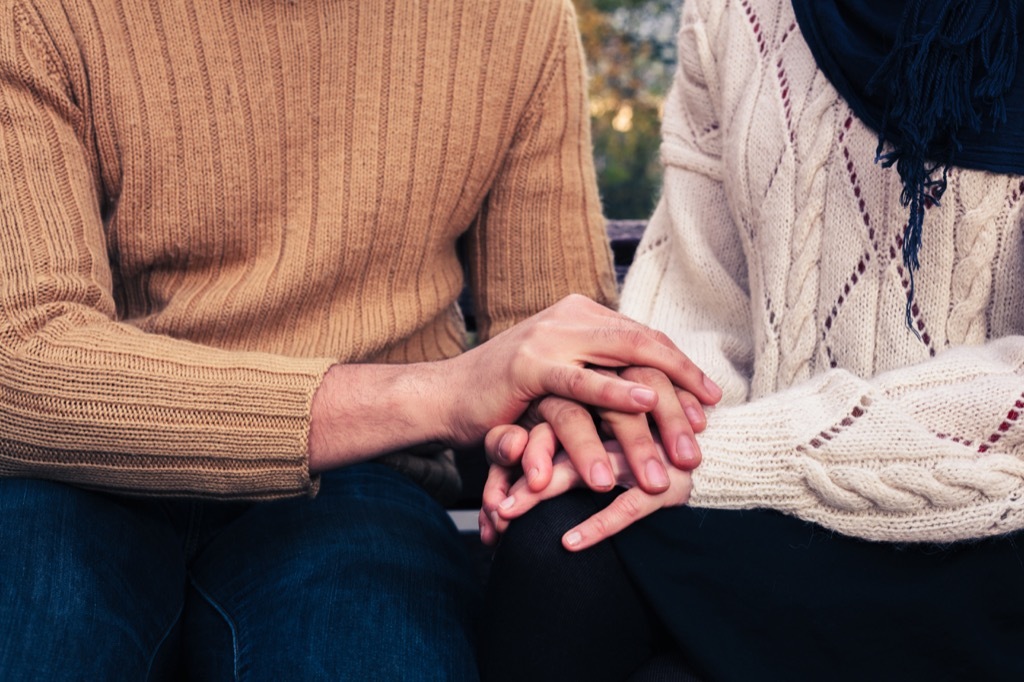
[540, 593]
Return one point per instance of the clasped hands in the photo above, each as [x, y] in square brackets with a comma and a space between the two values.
[559, 444]
[528, 393]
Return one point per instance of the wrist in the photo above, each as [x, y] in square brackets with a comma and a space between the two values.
[361, 411]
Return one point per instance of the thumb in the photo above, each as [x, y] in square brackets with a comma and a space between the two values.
[505, 444]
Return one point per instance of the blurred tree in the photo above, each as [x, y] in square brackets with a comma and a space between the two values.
[630, 47]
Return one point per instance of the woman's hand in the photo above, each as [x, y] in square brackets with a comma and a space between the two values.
[630, 506]
[554, 423]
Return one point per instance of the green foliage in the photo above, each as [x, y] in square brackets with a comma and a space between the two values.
[630, 47]
[629, 175]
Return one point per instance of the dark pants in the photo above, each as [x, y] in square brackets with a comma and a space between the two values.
[367, 581]
[760, 595]
[756, 595]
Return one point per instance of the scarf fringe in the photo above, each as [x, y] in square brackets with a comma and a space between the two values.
[942, 76]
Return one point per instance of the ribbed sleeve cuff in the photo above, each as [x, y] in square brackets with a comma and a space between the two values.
[219, 425]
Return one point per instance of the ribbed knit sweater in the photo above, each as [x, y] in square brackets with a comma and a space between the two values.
[774, 260]
[203, 205]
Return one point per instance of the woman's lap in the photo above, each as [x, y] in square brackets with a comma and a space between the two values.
[555, 615]
[745, 595]
[760, 595]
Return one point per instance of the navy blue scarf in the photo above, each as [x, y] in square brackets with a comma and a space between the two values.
[935, 78]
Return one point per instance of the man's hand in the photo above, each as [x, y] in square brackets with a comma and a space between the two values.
[629, 507]
[561, 352]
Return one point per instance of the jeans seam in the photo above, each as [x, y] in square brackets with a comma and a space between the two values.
[227, 619]
[159, 645]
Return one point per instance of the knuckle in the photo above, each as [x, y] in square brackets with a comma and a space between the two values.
[663, 338]
[570, 303]
[606, 392]
[491, 497]
[680, 425]
[687, 399]
[613, 419]
[638, 443]
[610, 333]
[549, 406]
[599, 525]
[556, 380]
[534, 414]
[637, 333]
[629, 506]
[542, 437]
[646, 375]
[635, 336]
[576, 381]
[574, 299]
[569, 415]
[531, 336]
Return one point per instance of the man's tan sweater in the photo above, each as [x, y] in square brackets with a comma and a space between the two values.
[203, 205]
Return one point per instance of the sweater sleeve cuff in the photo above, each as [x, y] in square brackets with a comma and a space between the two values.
[755, 453]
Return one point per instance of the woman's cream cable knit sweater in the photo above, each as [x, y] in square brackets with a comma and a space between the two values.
[204, 204]
[774, 260]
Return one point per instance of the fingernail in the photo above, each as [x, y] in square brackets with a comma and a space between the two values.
[601, 475]
[495, 518]
[686, 449]
[532, 474]
[694, 415]
[507, 503]
[712, 387]
[574, 538]
[503, 446]
[656, 474]
[644, 396]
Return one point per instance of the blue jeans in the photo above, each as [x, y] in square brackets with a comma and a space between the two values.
[369, 580]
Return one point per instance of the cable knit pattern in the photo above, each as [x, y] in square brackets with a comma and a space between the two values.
[203, 205]
[798, 324]
[773, 259]
[976, 242]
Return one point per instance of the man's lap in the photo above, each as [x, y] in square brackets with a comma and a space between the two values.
[73, 604]
[370, 577]
[367, 579]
